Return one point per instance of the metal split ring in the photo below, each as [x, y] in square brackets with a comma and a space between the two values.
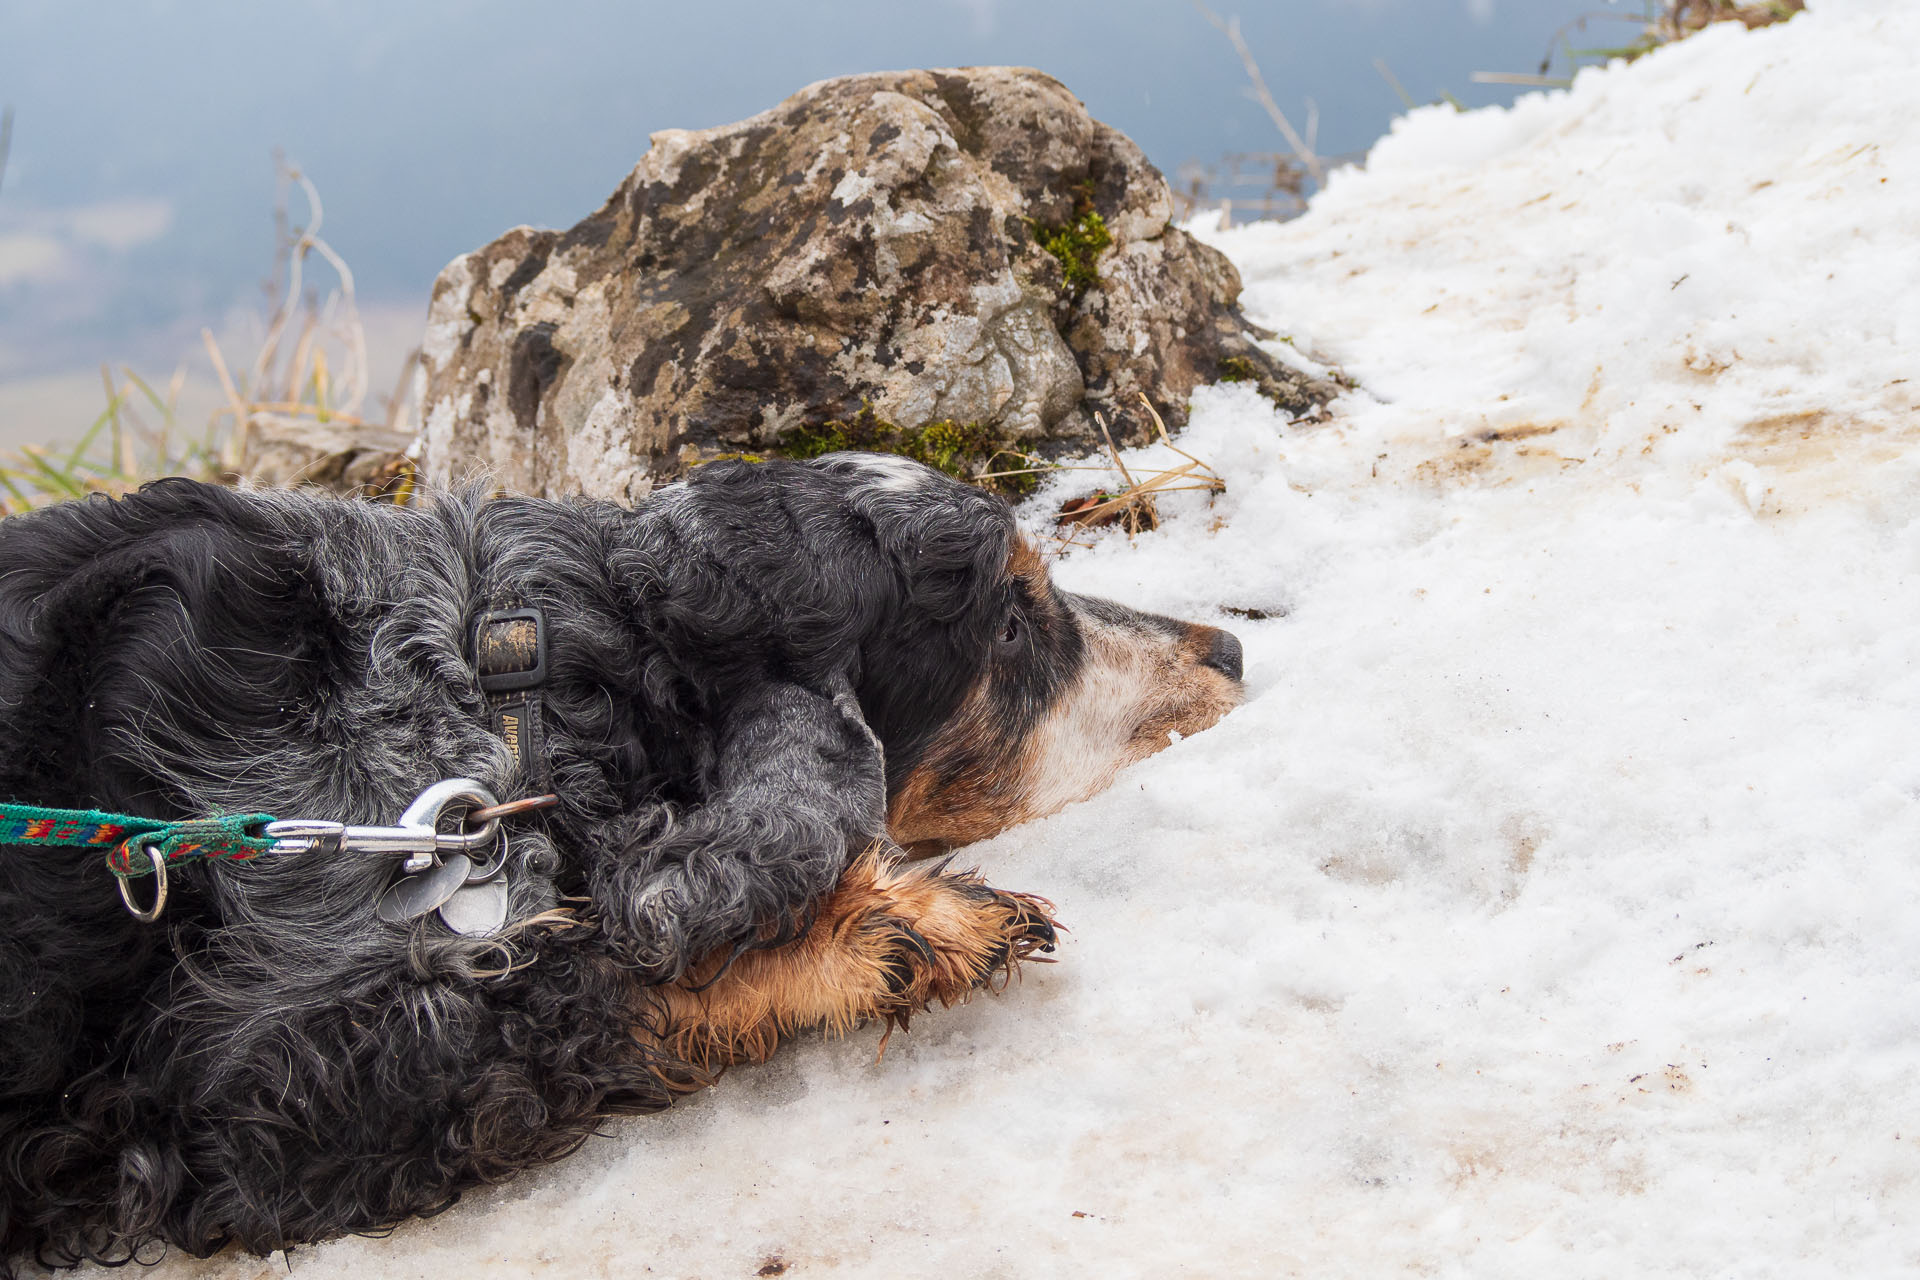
[150, 845]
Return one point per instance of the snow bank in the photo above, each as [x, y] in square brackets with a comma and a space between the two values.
[1706, 260]
[1550, 907]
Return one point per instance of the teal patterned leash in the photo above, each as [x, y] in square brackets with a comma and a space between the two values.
[236, 836]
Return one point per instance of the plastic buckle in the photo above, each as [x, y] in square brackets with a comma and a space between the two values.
[486, 648]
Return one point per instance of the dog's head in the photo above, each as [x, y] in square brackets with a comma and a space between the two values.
[996, 696]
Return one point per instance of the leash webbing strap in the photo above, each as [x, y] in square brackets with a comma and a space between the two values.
[235, 836]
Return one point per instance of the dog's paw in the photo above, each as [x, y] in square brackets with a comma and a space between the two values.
[646, 932]
[890, 941]
[932, 935]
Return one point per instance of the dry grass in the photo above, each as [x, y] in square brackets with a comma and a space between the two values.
[135, 438]
[1131, 504]
[297, 413]
[1661, 22]
[293, 414]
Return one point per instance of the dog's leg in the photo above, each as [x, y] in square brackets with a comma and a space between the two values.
[799, 782]
[891, 940]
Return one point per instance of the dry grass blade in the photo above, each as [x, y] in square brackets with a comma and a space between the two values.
[1133, 508]
[303, 389]
[1230, 27]
[1112, 452]
[1159, 425]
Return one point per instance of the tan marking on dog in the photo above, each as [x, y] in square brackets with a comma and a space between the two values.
[1136, 687]
[1136, 690]
[1026, 562]
[844, 970]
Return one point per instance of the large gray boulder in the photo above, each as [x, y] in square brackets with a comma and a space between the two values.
[967, 251]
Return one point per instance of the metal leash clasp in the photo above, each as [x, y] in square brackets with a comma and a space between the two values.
[416, 838]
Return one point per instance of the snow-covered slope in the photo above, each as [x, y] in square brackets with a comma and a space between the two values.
[1707, 261]
[1552, 907]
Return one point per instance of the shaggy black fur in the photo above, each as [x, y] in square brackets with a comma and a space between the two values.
[272, 1065]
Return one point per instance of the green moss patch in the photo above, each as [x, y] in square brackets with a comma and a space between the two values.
[1238, 369]
[1078, 246]
[968, 451]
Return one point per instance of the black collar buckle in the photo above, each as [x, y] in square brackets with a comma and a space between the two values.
[510, 650]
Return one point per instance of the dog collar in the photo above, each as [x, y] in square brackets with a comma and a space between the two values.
[510, 659]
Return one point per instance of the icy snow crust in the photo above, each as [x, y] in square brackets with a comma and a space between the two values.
[1550, 907]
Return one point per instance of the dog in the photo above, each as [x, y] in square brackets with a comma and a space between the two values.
[755, 696]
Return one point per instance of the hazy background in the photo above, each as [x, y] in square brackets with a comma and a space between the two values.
[136, 205]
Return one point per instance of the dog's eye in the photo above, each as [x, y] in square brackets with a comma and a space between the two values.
[1010, 630]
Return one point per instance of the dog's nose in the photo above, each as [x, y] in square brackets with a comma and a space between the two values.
[1224, 656]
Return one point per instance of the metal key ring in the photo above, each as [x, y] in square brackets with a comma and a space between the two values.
[159, 860]
[482, 874]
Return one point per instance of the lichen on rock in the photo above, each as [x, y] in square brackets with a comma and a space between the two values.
[966, 257]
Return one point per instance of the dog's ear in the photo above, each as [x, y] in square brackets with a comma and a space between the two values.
[798, 788]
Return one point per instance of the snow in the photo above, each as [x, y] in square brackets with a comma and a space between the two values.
[1550, 907]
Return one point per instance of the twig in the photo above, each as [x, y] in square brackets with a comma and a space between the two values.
[1231, 29]
[236, 443]
[1522, 78]
[1393, 83]
[6, 139]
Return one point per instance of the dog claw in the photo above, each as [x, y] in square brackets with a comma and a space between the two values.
[1037, 929]
[900, 968]
[1029, 929]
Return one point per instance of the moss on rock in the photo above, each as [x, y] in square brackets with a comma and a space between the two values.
[1238, 369]
[968, 451]
[1078, 246]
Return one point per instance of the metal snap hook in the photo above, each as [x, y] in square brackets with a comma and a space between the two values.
[417, 837]
[150, 844]
[425, 811]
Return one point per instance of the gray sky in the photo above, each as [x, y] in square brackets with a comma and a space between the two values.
[136, 205]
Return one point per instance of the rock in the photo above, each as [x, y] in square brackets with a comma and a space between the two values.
[878, 255]
[350, 458]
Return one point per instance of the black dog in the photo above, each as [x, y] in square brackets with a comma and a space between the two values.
[749, 695]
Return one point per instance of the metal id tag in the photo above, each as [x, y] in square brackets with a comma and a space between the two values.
[477, 910]
[419, 892]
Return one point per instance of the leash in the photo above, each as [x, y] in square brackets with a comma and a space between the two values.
[435, 865]
[214, 838]
[137, 846]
